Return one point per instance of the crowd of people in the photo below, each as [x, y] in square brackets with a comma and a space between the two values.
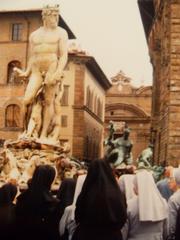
[97, 205]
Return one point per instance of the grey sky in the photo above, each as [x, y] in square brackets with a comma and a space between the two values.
[110, 30]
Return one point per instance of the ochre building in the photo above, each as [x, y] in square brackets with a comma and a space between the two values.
[85, 84]
[132, 105]
[161, 20]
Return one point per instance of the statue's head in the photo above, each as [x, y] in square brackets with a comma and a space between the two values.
[126, 132]
[151, 146]
[50, 16]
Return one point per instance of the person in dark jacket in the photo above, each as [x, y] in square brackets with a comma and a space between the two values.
[177, 232]
[36, 209]
[65, 194]
[7, 211]
[100, 208]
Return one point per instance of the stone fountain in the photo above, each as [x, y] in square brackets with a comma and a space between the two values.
[39, 143]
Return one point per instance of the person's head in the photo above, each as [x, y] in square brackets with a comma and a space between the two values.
[7, 194]
[174, 180]
[101, 201]
[130, 169]
[99, 171]
[62, 162]
[168, 171]
[50, 16]
[43, 178]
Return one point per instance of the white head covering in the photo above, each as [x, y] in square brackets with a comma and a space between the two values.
[79, 184]
[126, 184]
[69, 212]
[152, 207]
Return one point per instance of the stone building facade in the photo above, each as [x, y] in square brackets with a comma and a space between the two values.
[132, 105]
[161, 20]
[85, 84]
[85, 112]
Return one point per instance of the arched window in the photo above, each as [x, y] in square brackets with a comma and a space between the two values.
[95, 105]
[12, 77]
[88, 97]
[91, 100]
[12, 116]
[99, 108]
[65, 96]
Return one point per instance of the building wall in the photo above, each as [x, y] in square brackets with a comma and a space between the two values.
[164, 46]
[124, 103]
[10, 51]
[66, 133]
[88, 126]
[78, 127]
[15, 50]
[94, 117]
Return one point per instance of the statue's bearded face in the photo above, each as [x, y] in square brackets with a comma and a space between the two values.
[51, 20]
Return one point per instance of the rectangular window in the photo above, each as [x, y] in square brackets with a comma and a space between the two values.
[12, 116]
[64, 121]
[17, 31]
[65, 96]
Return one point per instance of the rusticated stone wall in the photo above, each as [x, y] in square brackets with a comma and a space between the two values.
[164, 46]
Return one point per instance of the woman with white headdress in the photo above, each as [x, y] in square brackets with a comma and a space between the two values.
[126, 184]
[147, 211]
[67, 223]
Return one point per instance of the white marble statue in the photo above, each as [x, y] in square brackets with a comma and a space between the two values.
[48, 57]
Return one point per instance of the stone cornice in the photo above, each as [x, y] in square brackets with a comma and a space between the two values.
[93, 67]
[61, 23]
[127, 95]
[128, 119]
[86, 109]
[13, 42]
[11, 129]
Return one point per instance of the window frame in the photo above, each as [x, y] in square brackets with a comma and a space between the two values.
[64, 98]
[18, 33]
[13, 120]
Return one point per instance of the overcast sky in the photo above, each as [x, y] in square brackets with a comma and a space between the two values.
[110, 30]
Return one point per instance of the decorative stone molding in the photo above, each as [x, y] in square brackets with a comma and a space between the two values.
[129, 107]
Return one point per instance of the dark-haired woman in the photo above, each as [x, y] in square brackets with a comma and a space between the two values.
[65, 193]
[100, 209]
[7, 211]
[37, 209]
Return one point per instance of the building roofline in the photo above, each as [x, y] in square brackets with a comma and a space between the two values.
[94, 68]
[61, 23]
[21, 10]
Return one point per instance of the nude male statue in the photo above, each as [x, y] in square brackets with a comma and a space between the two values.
[48, 57]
